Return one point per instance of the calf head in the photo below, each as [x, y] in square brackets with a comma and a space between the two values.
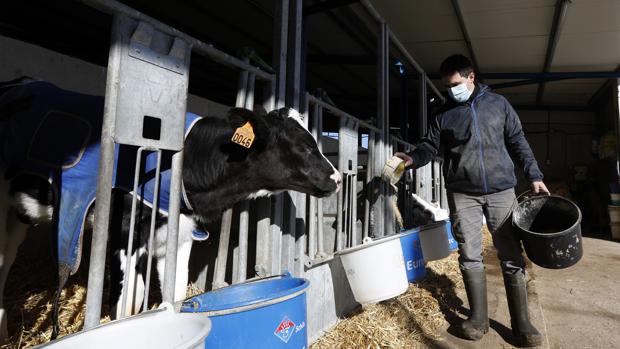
[283, 155]
[287, 157]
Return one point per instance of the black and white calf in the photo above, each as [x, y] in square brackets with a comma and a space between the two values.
[217, 173]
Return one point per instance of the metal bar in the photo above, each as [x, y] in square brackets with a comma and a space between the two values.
[556, 29]
[280, 53]
[340, 198]
[281, 49]
[132, 226]
[320, 241]
[423, 106]
[340, 113]
[385, 105]
[470, 49]
[222, 250]
[172, 242]
[154, 213]
[401, 48]
[327, 6]
[522, 83]
[312, 213]
[553, 75]
[263, 207]
[617, 123]
[114, 7]
[240, 102]
[302, 253]
[96, 270]
[369, 184]
[244, 215]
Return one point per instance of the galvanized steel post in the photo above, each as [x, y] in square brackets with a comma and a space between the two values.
[104, 181]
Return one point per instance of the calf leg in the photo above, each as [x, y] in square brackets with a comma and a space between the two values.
[184, 248]
[12, 234]
[135, 289]
[182, 271]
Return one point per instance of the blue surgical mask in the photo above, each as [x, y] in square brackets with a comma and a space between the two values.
[460, 92]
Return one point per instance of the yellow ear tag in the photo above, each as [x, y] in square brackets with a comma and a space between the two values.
[244, 135]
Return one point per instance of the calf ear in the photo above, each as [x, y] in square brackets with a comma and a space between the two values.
[260, 111]
[239, 116]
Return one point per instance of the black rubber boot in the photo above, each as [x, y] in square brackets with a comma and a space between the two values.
[525, 334]
[478, 322]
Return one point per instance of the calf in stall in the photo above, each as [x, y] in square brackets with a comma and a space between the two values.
[45, 180]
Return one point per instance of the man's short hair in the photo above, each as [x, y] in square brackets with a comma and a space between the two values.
[456, 63]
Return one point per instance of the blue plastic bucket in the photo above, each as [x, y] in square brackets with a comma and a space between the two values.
[412, 251]
[453, 245]
[260, 314]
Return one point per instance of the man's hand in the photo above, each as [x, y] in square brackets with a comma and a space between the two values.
[408, 160]
[539, 188]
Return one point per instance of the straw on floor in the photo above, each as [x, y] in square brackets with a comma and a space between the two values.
[415, 317]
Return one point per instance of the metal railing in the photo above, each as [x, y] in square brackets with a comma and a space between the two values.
[273, 252]
[134, 30]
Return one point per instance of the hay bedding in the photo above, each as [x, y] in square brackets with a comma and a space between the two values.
[404, 322]
[409, 320]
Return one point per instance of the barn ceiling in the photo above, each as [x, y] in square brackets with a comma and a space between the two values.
[506, 36]
[513, 36]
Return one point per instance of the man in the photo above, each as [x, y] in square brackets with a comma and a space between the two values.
[479, 132]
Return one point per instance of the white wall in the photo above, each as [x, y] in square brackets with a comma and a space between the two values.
[18, 58]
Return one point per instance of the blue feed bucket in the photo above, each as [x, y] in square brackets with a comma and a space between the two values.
[412, 251]
[451, 240]
[260, 314]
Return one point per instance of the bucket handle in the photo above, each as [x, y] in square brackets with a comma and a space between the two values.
[528, 194]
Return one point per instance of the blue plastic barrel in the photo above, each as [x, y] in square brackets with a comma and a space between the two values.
[412, 251]
[260, 314]
[453, 244]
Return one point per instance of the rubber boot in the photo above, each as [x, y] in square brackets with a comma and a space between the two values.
[476, 287]
[525, 334]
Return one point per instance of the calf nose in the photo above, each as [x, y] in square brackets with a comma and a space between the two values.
[337, 177]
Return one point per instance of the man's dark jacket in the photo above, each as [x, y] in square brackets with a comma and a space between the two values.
[478, 138]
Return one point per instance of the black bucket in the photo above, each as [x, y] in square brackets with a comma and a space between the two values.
[550, 228]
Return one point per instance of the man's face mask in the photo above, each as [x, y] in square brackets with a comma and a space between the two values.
[460, 93]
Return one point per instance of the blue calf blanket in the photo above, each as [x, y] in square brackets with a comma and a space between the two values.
[55, 134]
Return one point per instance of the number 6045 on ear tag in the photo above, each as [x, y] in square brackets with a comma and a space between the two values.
[244, 135]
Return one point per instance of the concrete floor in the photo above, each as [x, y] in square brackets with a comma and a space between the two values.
[581, 304]
[577, 307]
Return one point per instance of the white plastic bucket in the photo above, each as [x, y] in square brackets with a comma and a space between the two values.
[376, 269]
[434, 240]
[615, 198]
[614, 214]
[156, 329]
[615, 231]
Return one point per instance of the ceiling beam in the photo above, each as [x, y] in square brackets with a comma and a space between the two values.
[549, 75]
[470, 49]
[521, 83]
[559, 16]
[327, 5]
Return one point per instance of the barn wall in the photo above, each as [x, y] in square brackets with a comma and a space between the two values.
[561, 144]
[18, 58]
